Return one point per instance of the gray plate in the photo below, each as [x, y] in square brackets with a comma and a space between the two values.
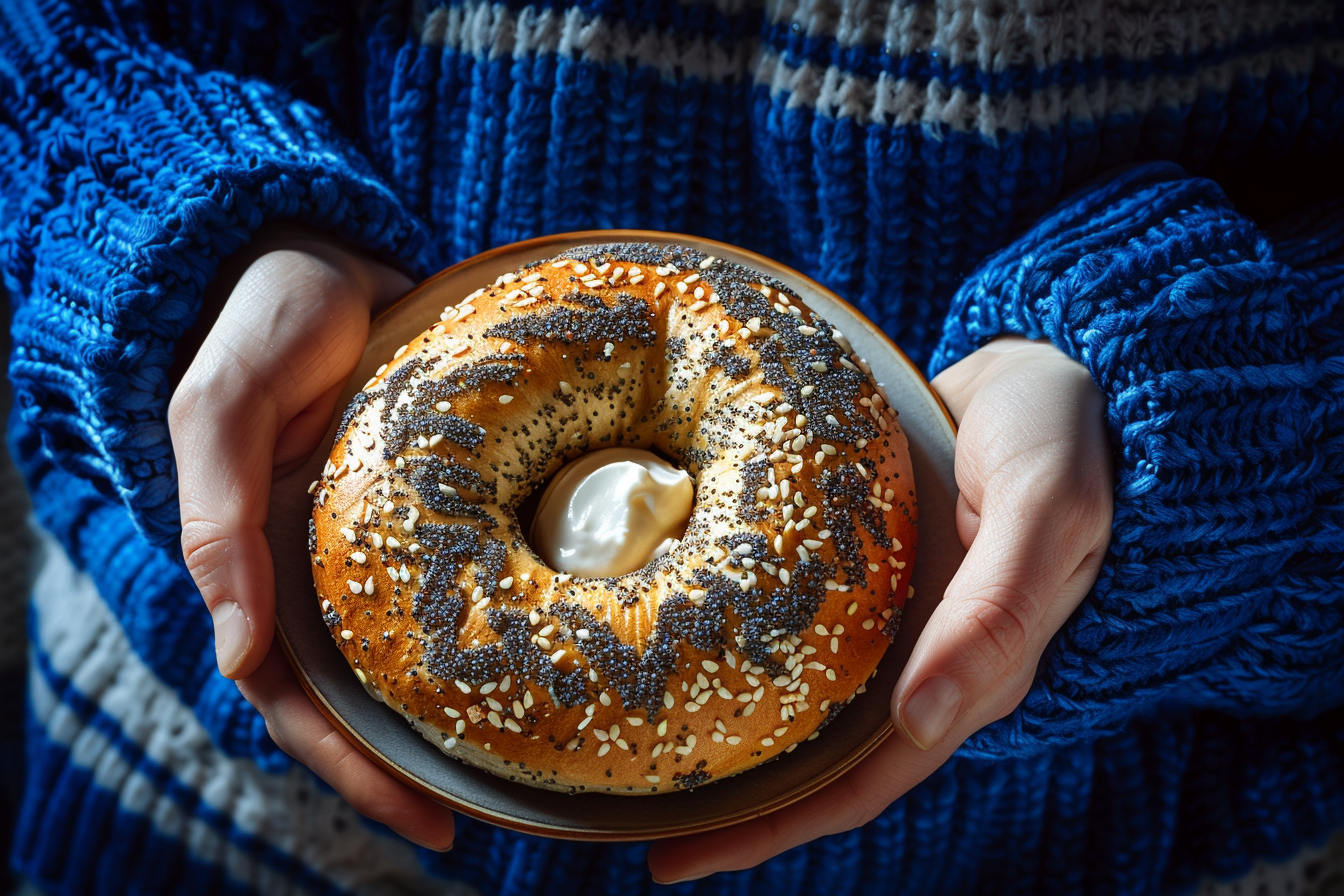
[383, 735]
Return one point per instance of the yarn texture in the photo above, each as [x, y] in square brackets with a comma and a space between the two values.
[957, 170]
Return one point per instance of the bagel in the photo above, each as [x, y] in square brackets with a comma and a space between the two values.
[743, 640]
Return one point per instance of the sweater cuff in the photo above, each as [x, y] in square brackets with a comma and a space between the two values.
[1223, 373]
[124, 222]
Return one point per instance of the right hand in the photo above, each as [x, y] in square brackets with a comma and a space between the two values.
[253, 404]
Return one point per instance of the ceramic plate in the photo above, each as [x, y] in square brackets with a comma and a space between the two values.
[384, 736]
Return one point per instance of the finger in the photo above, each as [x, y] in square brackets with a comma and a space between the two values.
[891, 770]
[223, 480]
[296, 440]
[299, 729]
[859, 796]
[968, 521]
[291, 329]
[1036, 544]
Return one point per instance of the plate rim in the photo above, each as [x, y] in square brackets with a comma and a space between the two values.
[553, 244]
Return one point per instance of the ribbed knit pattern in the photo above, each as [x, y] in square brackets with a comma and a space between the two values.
[1224, 372]
[114, 222]
[950, 168]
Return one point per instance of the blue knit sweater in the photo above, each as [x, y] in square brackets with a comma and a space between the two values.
[957, 170]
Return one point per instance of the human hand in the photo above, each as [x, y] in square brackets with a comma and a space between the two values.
[1034, 470]
[253, 404]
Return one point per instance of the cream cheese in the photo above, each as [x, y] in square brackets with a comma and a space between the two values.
[610, 512]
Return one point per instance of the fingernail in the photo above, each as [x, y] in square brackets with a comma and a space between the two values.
[232, 635]
[926, 714]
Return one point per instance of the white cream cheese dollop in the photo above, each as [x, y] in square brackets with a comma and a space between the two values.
[610, 512]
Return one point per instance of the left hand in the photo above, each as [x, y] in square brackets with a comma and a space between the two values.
[253, 403]
[1034, 470]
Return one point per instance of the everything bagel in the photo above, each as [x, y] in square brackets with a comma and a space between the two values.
[743, 640]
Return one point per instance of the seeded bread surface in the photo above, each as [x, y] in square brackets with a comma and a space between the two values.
[743, 641]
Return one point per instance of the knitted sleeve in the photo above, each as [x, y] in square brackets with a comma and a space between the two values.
[1220, 352]
[127, 173]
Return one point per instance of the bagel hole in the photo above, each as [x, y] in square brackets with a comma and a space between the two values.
[526, 509]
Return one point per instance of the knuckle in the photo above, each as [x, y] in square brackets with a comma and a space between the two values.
[376, 805]
[1017, 692]
[341, 766]
[995, 623]
[277, 736]
[305, 276]
[864, 804]
[204, 544]
[186, 399]
[773, 834]
[1009, 697]
[283, 265]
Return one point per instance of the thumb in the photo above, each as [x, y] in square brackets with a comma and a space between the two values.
[1027, 569]
[290, 331]
[1035, 512]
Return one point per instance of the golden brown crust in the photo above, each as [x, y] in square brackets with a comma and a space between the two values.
[739, 643]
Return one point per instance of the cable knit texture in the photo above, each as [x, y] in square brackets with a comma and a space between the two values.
[957, 169]
[1224, 374]
[132, 176]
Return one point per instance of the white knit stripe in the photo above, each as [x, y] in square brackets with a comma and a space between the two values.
[137, 795]
[492, 30]
[898, 101]
[84, 642]
[994, 36]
